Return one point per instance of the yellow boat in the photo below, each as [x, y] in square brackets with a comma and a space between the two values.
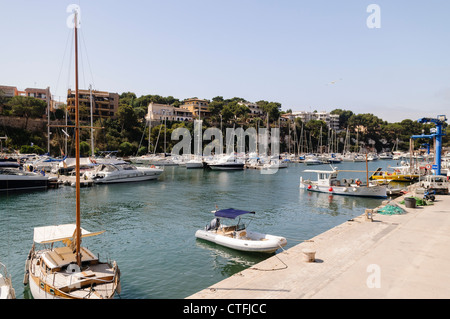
[397, 174]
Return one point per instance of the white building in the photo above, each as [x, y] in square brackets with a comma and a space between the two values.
[332, 120]
[160, 112]
[254, 109]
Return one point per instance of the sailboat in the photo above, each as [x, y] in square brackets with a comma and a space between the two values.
[70, 271]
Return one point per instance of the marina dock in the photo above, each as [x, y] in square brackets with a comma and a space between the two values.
[386, 256]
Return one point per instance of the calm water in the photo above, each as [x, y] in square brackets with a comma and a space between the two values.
[150, 226]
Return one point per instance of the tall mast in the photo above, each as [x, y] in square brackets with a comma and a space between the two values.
[77, 149]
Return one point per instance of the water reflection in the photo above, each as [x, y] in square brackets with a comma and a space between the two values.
[229, 261]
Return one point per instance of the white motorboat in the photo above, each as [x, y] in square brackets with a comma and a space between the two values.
[228, 162]
[237, 236]
[6, 289]
[195, 162]
[111, 173]
[312, 160]
[386, 155]
[327, 182]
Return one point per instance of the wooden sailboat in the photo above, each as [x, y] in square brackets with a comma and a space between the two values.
[70, 271]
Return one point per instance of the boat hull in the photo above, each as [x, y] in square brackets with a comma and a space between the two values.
[255, 242]
[194, 164]
[138, 175]
[21, 183]
[376, 191]
[226, 166]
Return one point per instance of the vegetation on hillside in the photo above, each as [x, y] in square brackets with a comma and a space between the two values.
[128, 132]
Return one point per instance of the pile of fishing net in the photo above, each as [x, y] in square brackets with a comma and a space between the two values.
[391, 210]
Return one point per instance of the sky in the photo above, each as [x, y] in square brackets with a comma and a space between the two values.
[308, 55]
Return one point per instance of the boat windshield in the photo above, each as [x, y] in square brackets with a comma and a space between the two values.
[240, 226]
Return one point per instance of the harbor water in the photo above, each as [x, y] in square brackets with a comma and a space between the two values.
[150, 226]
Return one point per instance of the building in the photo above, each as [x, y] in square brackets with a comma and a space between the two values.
[194, 105]
[41, 94]
[255, 111]
[104, 104]
[161, 112]
[8, 91]
[332, 120]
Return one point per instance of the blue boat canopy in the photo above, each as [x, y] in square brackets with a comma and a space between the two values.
[231, 213]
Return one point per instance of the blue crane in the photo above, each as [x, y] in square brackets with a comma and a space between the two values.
[437, 133]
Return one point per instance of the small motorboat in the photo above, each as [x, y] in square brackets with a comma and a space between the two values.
[237, 236]
[229, 162]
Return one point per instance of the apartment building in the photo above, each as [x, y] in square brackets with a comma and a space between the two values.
[255, 111]
[8, 91]
[195, 105]
[161, 112]
[41, 94]
[332, 120]
[104, 104]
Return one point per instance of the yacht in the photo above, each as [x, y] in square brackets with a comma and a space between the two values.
[14, 178]
[112, 173]
[227, 162]
[386, 155]
[312, 160]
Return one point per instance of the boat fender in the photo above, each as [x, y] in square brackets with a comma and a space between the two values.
[309, 186]
[153, 166]
[345, 189]
[330, 189]
[354, 189]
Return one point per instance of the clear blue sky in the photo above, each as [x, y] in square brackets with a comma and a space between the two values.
[284, 51]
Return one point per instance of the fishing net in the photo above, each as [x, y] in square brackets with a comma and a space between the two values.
[391, 210]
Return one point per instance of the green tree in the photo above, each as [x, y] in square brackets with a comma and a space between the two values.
[126, 148]
[271, 108]
[127, 117]
[344, 116]
[27, 107]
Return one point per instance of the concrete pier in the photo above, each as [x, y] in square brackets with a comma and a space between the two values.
[385, 256]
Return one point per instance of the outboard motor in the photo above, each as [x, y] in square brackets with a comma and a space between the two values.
[214, 224]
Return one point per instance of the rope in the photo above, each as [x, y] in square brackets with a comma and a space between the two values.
[273, 269]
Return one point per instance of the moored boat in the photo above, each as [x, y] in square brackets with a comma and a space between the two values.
[238, 236]
[327, 182]
[111, 173]
[15, 178]
[398, 174]
[70, 271]
[227, 162]
[54, 272]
